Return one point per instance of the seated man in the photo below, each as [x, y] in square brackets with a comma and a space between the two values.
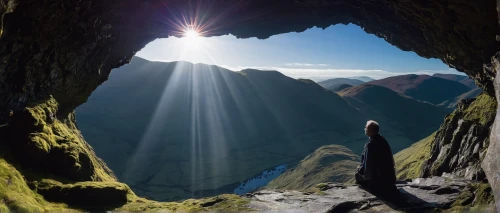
[376, 173]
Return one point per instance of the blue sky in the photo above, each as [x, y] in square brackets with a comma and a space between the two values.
[337, 51]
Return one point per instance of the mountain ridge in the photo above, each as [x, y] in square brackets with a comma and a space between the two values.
[423, 87]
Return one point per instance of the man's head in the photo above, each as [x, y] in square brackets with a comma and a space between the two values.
[371, 128]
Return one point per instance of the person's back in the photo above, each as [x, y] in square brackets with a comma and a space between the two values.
[376, 172]
[383, 161]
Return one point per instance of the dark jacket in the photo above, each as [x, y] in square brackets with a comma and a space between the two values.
[377, 163]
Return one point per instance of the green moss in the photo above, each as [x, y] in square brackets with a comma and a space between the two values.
[483, 194]
[483, 110]
[477, 198]
[322, 186]
[464, 199]
[16, 196]
[224, 203]
[410, 160]
[4, 208]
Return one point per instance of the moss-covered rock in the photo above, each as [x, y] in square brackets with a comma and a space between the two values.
[86, 195]
[477, 198]
[39, 139]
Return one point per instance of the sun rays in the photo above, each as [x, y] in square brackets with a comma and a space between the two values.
[191, 34]
[205, 92]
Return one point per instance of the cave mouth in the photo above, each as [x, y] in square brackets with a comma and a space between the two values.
[55, 55]
[171, 123]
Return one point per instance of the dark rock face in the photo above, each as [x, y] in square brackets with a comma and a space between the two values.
[420, 195]
[461, 142]
[491, 162]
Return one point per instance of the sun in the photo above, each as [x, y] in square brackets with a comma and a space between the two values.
[192, 38]
[191, 34]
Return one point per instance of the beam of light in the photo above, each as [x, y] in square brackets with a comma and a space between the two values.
[209, 130]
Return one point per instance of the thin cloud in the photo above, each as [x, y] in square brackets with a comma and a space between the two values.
[305, 65]
[324, 74]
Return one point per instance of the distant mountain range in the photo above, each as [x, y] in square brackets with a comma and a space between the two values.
[178, 130]
[434, 90]
[444, 90]
[340, 87]
[463, 79]
[334, 83]
[362, 78]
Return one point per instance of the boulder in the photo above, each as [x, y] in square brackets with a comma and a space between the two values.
[87, 195]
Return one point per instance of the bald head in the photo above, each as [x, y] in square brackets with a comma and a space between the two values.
[371, 128]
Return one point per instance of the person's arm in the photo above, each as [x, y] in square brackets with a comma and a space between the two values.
[368, 166]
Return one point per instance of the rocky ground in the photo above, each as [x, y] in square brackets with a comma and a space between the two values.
[422, 195]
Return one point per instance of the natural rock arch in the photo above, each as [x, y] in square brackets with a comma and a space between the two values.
[65, 49]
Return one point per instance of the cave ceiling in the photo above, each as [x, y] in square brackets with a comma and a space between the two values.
[67, 48]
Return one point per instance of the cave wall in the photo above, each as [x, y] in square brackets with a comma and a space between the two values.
[60, 51]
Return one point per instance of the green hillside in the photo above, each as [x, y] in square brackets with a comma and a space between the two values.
[330, 163]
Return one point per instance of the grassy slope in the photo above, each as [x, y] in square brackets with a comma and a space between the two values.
[330, 163]
[410, 160]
